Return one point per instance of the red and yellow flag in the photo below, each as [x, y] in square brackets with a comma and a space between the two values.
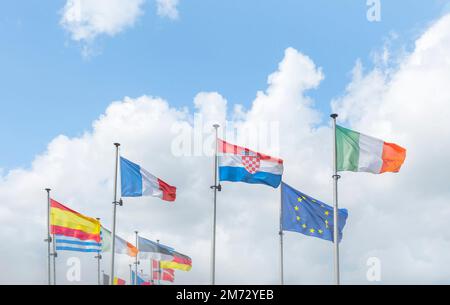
[118, 281]
[180, 262]
[67, 222]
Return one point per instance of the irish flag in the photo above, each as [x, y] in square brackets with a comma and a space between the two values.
[360, 153]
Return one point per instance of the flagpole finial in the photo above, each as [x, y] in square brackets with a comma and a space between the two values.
[48, 190]
[334, 115]
[116, 144]
[216, 126]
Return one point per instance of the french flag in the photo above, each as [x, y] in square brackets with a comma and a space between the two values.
[239, 164]
[137, 182]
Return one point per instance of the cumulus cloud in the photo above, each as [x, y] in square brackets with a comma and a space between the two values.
[167, 8]
[399, 218]
[87, 19]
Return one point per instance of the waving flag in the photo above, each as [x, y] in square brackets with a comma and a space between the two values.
[360, 153]
[163, 274]
[121, 245]
[64, 243]
[73, 226]
[239, 164]
[118, 281]
[141, 279]
[179, 261]
[308, 216]
[151, 249]
[137, 182]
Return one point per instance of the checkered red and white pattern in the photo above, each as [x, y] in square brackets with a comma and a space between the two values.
[251, 163]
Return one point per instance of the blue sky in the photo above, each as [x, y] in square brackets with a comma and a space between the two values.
[48, 88]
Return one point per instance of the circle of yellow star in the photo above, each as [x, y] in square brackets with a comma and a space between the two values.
[320, 231]
[298, 218]
[327, 213]
[299, 199]
[296, 208]
[312, 231]
[304, 226]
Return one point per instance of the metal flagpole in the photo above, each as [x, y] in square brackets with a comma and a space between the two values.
[131, 274]
[136, 262]
[216, 188]
[159, 268]
[54, 259]
[151, 271]
[113, 242]
[335, 204]
[48, 240]
[98, 257]
[281, 237]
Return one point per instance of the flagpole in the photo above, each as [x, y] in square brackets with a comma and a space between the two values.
[54, 259]
[98, 257]
[335, 204]
[136, 262]
[159, 268]
[151, 271]
[216, 188]
[281, 237]
[131, 274]
[48, 239]
[113, 242]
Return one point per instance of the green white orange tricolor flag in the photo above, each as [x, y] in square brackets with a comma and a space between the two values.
[357, 152]
[121, 245]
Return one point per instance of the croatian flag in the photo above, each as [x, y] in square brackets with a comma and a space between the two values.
[238, 164]
[136, 182]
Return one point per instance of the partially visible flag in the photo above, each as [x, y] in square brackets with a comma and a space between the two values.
[239, 164]
[105, 279]
[121, 245]
[151, 249]
[64, 243]
[179, 262]
[304, 214]
[140, 279]
[163, 274]
[118, 281]
[357, 152]
[136, 182]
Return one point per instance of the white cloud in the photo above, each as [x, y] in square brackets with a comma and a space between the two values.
[167, 8]
[86, 19]
[400, 218]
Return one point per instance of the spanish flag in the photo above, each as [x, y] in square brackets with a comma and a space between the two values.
[179, 262]
[67, 222]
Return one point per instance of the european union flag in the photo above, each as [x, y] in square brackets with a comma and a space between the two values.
[306, 215]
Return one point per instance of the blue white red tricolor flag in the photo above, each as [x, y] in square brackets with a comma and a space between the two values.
[137, 182]
[239, 164]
